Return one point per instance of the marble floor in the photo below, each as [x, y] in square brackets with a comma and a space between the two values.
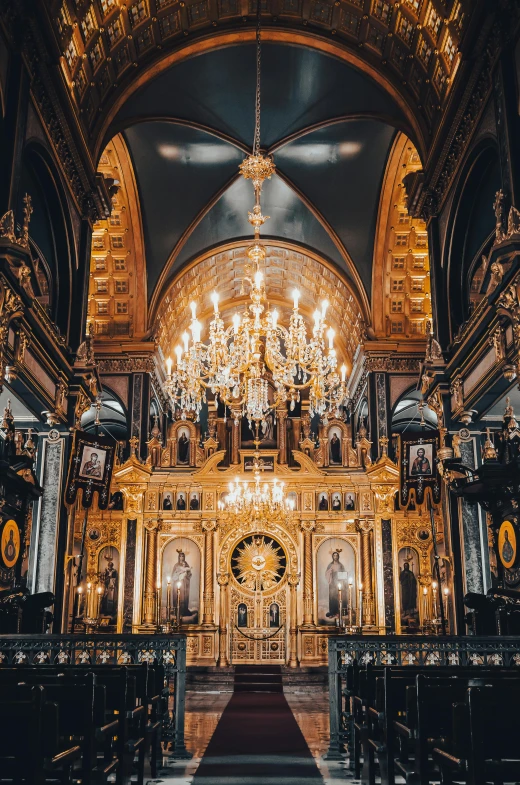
[203, 711]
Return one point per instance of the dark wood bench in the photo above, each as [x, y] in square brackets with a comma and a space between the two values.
[31, 747]
[483, 746]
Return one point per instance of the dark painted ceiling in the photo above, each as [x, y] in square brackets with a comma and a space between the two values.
[336, 168]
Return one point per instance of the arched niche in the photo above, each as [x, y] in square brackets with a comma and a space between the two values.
[471, 231]
[50, 234]
[336, 563]
[336, 442]
[181, 562]
[181, 448]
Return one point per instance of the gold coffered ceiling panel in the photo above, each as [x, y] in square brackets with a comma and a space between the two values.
[410, 46]
[286, 268]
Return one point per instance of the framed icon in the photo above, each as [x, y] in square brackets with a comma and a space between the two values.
[506, 544]
[10, 543]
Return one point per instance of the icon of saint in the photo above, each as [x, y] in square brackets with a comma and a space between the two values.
[507, 549]
[331, 576]
[181, 573]
[183, 448]
[194, 502]
[421, 464]
[92, 468]
[336, 502]
[167, 502]
[408, 583]
[324, 503]
[335, 449]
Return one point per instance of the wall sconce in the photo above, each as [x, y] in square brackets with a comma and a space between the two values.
[509, 372]
[467, 416]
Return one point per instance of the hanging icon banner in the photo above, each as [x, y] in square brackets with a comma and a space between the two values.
[91, 464]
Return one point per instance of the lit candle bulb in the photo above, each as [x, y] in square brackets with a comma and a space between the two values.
[89, 592]
[196, 329]
[236, 323]
[186, 339]
[274, 317]
[360, 609]
[99, 593]
[296, 297]
[214, 300]
[340, 604]
[169, 364]
[330, 335]
[258, 279]
[193, 307]
[425, 604]
[317, 318]
[178, 352]
[324, 306]
[343, 372]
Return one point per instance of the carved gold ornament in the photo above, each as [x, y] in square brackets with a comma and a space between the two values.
[258, 563]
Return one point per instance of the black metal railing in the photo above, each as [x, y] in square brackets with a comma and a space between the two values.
[168, 650]
[399, 651]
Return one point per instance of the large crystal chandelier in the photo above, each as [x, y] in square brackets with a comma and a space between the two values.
[255, 364]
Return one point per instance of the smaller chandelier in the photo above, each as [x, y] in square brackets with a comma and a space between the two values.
[256, 502]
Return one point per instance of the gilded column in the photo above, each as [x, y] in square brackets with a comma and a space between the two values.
[367, 528]
[293, 629]
[282, 435]
[150, 578]
[223, 581]
[308, 594]
[235, 435]
[209, 597]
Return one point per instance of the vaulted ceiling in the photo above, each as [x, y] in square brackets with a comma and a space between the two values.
[329, 126]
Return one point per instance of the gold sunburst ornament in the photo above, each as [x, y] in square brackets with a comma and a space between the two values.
[259, 563]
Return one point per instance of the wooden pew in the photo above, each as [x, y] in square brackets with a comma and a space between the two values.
[30, 748]
[389, 729]
[484, 742]
[82, 710]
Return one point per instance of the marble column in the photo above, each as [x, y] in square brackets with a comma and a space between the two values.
[293, 628]
[223, 582]
[209, 597]
[471, 535]
[46, 530]
[388, 574]
[128, 597]
[150, 576]
[308, 594]
[235, 436]
[281, 415]
[367, 548]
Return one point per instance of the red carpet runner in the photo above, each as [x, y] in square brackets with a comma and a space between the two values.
[257, 740]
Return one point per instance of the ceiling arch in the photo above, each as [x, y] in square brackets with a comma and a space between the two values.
[287, 267]
[110, 49]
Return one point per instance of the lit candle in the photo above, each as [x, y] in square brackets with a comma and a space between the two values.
[360, 609]
[434, 589]
[89, 599]
[196, 329]
[158, 603]
[236, 323]
[350, 602]
[214, 300]
[258, 279]
[178, 352]
[186, 339]
[324, 306]
[169, 364]
[99, 593]
[274, 317]
[330, 335]
[80, 593]
[425, 604]
[178, 603]
[168, 599]
[193, 307]
[296, 297]
[343, 373]
[340, 603]
[317, 319]
[446, 594]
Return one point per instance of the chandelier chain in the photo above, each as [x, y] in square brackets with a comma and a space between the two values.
[256, 142]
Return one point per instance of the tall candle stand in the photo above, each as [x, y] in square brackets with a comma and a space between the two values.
[350, 608]
[446, 593]
[178, 614]
[158, 606]
[340, 605]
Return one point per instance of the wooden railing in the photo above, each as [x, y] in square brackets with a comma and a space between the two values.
[402, 650]
[169, 650]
